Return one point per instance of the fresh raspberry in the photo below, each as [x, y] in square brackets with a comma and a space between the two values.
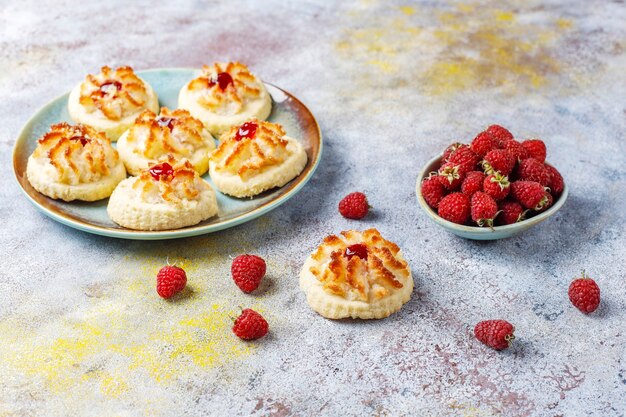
[450, 150]
[529, 194]
[548, 203]
[497, 334]
[433, 191]
[451, 175]
[455, 207]
[584, 293]
[250, 325]
[497, 186]
[484, 209]
[483, 143]
[465, 157]
[247, 272]
[501, 134]
[472, 183]
[511, 212]
[532, 170]
[354, 206]
[556, 182]
[516, 149]
[536, 149]
[499, 160]
[170, 280]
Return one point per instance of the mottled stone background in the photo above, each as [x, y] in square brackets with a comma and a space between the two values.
[82, 331]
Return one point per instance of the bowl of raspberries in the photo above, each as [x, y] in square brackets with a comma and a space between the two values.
[492, 188]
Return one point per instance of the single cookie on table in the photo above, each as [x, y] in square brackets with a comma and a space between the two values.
[74, 163]
[111, 100]
[168, 195]
[176, 133]
[225, 95]
[255, 157]
[356, 275]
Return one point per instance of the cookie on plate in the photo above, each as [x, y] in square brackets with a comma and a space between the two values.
[357, 275]
[74, 163]
[176, 133]
[254, 157]
[111, 100]
[168, 195]
[225, 95]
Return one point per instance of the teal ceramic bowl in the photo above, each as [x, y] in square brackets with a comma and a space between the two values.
[287, 110]
[482, 233]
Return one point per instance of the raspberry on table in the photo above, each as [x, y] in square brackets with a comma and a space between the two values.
[584, 293]
[170, 281]
[250, 325]
[247, 272]
[497, 334]
[354, 206]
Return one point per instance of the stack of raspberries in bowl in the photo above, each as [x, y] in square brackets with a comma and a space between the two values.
[494, 181]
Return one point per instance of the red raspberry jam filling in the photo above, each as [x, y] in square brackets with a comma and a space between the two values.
[83, 140]
[166, 121]
[222, 79]
[356, 250]
[246, 130]
[106, 86]
[159, 170]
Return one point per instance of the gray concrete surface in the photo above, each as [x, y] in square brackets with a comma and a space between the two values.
[82, 331]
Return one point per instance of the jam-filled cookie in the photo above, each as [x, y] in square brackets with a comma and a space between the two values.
[225, 95]
[168, 195]
[74, 163]
[174, 133]
[254, 157]
[358, 275]
[111, 100]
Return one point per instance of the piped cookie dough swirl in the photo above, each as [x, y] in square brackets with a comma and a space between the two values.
[174, 133]
[74, 163]
[358, 275]
[168, 195]
[111, 100]
[225, 95]
[254, 157]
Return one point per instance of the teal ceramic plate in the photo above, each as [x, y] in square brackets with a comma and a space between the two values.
[482, 233]
[92, 217]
